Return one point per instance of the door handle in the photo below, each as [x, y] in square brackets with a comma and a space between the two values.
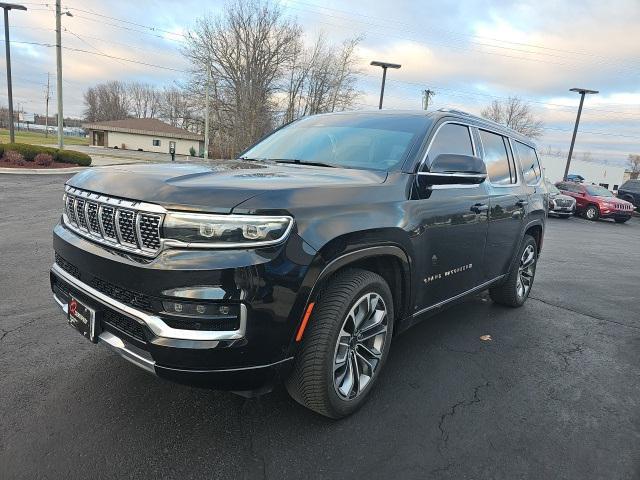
[479, 208]
[522, 203]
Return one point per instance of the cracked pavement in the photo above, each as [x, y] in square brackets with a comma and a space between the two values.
[554, 394]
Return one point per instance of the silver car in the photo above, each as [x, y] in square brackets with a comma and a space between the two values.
[560, 205]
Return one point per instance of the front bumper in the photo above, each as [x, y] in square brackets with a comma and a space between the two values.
[557, 210]
[266, 285]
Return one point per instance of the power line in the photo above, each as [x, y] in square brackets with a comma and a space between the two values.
[386, 21]
[381, 30]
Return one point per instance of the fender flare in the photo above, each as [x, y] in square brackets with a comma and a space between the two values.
[353, 256]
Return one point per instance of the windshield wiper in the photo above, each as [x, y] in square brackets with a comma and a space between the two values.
[297, 161]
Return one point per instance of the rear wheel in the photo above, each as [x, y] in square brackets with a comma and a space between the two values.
[345, 344]
[592, 213]
[514, 291]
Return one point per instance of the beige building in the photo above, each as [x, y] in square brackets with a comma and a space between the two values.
[145, 134]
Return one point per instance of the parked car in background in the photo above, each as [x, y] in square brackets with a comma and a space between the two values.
[630, 191]
[572, 177]
[560, 205]
[594, 201]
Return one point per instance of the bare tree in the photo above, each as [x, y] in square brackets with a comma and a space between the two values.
[106, 101]
[144, 100]
[516, 114]
[247, 49]
[633, 164]
[322, 79]
[176, 109]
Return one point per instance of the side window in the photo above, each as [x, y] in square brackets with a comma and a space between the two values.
[451, 138]
[530, 164]
[499, 166]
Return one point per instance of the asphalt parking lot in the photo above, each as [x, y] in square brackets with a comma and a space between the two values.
[554, 394]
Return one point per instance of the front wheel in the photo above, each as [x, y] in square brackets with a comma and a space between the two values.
[592, 213]
[514, 291]
[345, 344]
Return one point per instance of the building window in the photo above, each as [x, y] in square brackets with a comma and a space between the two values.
[156, 142]
[605, 185]
[615, 187]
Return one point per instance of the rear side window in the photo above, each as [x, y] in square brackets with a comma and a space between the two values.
[529, 161]
[451, 138]
[500, 168]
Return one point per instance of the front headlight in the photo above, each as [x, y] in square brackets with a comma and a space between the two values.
[224, 231]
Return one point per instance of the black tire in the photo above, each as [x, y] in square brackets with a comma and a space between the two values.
[592, 213]
[506, 293]
[312, 381]
[620, 220]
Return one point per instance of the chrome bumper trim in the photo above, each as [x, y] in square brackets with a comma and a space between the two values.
[128, 352]
[153, 322]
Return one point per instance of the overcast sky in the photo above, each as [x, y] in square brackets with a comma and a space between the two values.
[468, 52]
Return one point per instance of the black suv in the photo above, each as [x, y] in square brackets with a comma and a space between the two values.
[303, 258]
[630, 191]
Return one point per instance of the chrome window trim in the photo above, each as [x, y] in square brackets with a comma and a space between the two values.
[153, 322]
[495, 185]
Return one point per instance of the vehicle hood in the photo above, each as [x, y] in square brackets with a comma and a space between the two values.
[561, 196]
[216, 186]
[612, 200]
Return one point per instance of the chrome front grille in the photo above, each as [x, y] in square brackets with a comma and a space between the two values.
[561, 202]
[118, 223]
[126, 227]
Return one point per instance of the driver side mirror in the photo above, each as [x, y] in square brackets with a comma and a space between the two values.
[452, 168]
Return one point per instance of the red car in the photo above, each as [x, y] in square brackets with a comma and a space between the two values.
[594, 201]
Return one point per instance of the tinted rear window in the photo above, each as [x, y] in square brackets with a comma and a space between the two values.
[529, 161]
[499, 165]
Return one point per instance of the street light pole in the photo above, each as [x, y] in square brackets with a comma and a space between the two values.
[582, 92]
[59, 14]
[384, 66]
[206, 113]
[6, 7]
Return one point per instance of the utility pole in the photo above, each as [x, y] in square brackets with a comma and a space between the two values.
[582, 92]
[46, 117]
[6, 7]
[59, 14]
[384, 66]
[206, 113]
[426, 96]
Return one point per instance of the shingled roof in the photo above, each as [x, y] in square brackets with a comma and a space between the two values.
[144, 126]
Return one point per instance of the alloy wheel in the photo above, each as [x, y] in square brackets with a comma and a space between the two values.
[360, 346]
[526, 270]
[591, 213]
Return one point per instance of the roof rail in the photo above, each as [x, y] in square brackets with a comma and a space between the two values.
[476, 117]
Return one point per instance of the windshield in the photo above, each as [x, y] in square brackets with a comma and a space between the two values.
[552, 188]
[598, 191]
[363, 141]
